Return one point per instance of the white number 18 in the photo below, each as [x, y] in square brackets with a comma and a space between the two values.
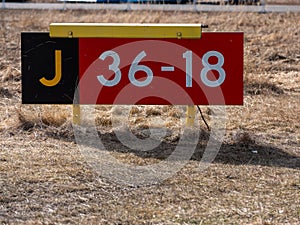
[206, 68]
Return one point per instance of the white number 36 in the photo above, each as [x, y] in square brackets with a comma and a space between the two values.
[135, 67]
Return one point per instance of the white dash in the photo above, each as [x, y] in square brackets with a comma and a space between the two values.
[167, 68]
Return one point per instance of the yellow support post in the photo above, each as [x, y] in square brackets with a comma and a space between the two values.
[190, 115]
[124, 30]
[76, 114]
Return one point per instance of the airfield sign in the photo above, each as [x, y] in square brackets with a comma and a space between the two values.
[132, 64]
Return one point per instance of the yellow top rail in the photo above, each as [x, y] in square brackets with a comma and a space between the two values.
[125, 30]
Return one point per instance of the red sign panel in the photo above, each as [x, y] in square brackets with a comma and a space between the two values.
[205, 71]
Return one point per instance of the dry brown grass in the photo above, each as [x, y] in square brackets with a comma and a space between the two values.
[283, 2]
[253, 180]
[280, 2]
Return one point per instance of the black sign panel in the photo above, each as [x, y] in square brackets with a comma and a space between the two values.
[49, 69]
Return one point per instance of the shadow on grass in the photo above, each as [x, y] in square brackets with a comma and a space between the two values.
[265, 88]
[256, 154]
[238, 152]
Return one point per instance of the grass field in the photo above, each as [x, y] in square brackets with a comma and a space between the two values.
[255, 178]
[277, 2]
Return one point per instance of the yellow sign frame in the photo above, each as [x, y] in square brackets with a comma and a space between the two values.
[125, 30]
